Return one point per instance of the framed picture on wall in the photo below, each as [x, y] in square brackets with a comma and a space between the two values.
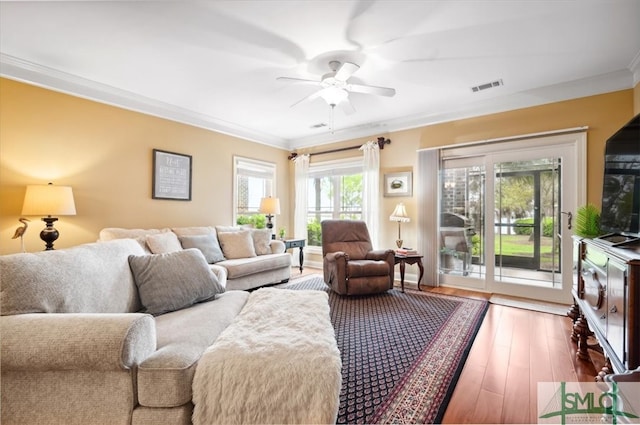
[397, 184]
[171, 176]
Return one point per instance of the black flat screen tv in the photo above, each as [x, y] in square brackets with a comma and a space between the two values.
[621, 189]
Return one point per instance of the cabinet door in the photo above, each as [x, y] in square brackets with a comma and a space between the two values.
[595, 294]
[616, 304]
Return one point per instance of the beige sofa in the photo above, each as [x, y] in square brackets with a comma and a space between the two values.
[242, 258]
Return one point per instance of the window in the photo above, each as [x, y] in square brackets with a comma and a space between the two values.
[254, 180]
[335, 192]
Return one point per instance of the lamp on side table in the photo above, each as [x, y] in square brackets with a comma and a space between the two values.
[49, 200]
[270, 207]
[399, 214]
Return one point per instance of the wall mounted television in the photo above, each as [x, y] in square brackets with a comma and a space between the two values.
[620, 216]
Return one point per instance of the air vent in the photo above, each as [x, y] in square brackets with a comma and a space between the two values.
[486, 86]
[320, 125]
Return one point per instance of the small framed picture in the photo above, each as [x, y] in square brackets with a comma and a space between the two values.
[171, 176]
[397, 184]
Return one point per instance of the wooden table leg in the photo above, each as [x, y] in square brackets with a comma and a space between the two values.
[301, 258]
[421, 272]
[402, 266]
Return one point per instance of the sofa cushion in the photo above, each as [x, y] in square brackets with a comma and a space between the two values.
[163, 243]
[261, 241]
[175, 280]
[245, 266]
[208, 244]
[89, 278]
[237, 244]
[164, 378]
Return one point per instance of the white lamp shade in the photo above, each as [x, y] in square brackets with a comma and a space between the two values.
[48, 200]
[400, 214]
[270, 206]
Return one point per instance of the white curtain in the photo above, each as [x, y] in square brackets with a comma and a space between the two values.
[300, 210]
[428, 195]
[371, 190]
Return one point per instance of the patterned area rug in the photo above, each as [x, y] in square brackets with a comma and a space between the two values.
[401, 354]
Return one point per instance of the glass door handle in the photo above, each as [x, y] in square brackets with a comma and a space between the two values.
[569, 218]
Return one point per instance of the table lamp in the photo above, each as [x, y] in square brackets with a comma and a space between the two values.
[399, 214]
[49, 200]
[270, 207]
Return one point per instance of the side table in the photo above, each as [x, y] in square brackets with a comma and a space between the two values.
[403, 260]
[295, 243]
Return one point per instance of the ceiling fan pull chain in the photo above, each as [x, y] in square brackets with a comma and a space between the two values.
[333, 107]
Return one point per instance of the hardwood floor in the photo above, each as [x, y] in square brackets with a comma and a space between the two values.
[513, 351]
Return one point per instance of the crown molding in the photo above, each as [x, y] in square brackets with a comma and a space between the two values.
[634, 67]
[29, 72]
[49, 78]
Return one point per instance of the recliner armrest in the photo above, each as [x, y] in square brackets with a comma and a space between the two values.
[337, 256]
[381, 254]
[76, 341]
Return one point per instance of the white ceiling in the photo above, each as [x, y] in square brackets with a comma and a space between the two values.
[214, 64]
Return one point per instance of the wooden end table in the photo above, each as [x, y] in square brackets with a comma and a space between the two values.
[290, 243]
[403, 260]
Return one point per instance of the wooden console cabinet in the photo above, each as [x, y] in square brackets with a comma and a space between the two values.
[606, 291]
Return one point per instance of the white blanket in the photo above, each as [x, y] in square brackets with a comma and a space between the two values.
[278, 362]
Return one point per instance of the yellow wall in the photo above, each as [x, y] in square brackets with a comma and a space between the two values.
[105, 154]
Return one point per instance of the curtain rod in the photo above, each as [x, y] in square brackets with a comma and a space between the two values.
[381, 142]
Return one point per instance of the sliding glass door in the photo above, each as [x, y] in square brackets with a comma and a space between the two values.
[501, 225]
[462, 220]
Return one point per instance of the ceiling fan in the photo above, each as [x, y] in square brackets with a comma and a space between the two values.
[335, 87]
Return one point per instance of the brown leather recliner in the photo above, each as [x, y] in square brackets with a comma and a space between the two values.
[350, 264]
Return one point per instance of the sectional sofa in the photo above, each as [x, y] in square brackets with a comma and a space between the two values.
[105, 333]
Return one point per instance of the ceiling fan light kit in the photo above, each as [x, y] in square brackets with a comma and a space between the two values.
[335, 88]
[333, 95]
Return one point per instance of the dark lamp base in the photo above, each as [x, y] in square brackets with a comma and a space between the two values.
[270, 225]
[49, 234]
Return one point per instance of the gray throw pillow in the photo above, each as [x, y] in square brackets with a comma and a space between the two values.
[172, 281]
[208, 244]
[261, 241]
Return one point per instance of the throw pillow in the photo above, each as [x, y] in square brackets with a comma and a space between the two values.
[261, 241]
[172, 281]
[163, 243]
[237, 244]
[208, 244]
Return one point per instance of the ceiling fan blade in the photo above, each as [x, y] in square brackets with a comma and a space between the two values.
[299, 80]
[311, 97]
[347, 107]
[380, 91]
[345, 71]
